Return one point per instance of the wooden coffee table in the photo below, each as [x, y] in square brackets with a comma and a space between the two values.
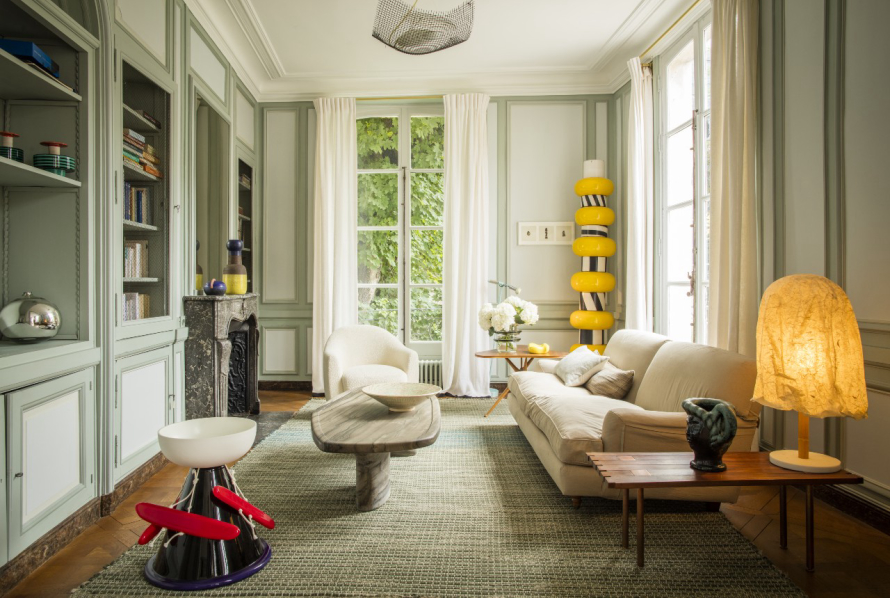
[671, 470]
[356, 423]
[525, 359]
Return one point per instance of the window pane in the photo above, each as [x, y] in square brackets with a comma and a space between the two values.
[427, 198]
[679, 314]
[427, 141]
[378, 199]
[678, 241]
[705, 272]
[679, 167]
[378, 257]
[702, 322]
[426, 257]
[706, 52]
[378, 142]
[426, 314]
[379, 307]
[681, 87]
[706, 124]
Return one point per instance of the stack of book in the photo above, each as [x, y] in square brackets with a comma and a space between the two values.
[136, 259]
[245, 180]
[136, 306]
[137, 204]
[140, 154]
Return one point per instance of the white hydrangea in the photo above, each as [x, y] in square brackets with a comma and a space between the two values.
[485, 313]
[529, 313]
[516, 302]
[503, 317]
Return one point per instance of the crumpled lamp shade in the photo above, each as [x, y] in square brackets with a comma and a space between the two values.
[809, 352]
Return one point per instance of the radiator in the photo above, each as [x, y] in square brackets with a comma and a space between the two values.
[431, 372]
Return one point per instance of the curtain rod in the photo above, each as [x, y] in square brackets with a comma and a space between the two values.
[392, 98]
[668, 30]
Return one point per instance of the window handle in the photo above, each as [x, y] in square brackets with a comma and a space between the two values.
[691, 278]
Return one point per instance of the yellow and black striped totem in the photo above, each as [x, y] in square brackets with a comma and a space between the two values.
[593, 246]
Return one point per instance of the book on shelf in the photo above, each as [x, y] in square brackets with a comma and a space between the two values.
[136, 259]
[245, 180]
[152, 171]
[137, 306]
[137, 204]
[149, 118]
[135, 136]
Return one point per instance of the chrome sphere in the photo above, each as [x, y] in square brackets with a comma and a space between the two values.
[29, 319]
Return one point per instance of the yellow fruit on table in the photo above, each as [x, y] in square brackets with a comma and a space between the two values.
[533, 348]
[546, 348]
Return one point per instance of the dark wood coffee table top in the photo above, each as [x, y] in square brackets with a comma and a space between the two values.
[672, 470]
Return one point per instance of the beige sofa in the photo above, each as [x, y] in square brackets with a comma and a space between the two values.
[562, 423]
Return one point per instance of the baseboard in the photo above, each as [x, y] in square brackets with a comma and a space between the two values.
[49, 544]
[303, 385]
[131, 483]
[854, 506]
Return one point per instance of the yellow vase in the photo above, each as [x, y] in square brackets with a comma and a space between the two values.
[235, 274]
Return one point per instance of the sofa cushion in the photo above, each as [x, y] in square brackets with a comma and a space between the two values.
[682, 371]
[364, 375]
[577, 367]
[611, 382]
[634, 350]
[528, 387]
[573, 424]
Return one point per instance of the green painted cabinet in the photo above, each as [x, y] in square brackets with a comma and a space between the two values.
[51, 458]
[144, 402]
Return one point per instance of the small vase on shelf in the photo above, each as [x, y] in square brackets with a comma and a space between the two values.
[199, 272]
[235, 274]
[507, 340]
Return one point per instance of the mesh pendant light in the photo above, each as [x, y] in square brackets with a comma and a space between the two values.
[403, 27]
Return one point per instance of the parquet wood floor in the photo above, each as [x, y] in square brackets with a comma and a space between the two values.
[852, 559]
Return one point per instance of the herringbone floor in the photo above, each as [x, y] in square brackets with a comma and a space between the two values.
[852, 559]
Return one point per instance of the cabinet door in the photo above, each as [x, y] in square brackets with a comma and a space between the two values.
[141, 408]
[52, 446]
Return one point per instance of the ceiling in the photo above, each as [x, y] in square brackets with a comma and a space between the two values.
[300, 49]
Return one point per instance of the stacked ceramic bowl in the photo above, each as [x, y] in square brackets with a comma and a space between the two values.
[54, 162]
[6, 149]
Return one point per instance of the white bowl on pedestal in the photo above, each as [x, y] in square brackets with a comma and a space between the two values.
[208, 441]
[401, 396]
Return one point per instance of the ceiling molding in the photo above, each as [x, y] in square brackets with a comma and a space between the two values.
[676, 33]
[256, 35]
[639, 17]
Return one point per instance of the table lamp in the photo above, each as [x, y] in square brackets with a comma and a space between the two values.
[809, 360]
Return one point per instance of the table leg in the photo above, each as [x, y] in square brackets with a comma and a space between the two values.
[500, 398]
[810, 552]
[625, 516]
[783, 516]
[371, 480]
[640, 527]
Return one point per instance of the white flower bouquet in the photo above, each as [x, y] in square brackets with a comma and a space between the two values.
[507, 315]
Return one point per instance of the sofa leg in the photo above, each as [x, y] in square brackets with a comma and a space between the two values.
[576, 502]
[712, 507]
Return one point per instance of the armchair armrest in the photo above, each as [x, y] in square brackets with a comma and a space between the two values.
[634, 430]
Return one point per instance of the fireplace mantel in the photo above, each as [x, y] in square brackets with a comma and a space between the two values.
[208, 350]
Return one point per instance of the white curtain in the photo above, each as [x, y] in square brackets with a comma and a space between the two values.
[732, 313]
[640, 201]
[466, 244]
[335, 291]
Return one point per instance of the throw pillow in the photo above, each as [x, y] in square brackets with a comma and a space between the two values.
[611, 382]
[577, 367]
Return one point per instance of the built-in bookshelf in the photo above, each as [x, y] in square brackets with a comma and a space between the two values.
[144, 198]
[245, 215]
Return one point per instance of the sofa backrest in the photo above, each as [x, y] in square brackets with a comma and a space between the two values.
[681, 371]
[634, 350]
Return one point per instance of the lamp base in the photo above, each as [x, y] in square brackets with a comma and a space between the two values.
[817, 463]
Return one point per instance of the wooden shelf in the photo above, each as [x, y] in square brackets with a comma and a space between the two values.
[16, 174]
[134, 173]
[138, 226]
[9, 348]
[18, 81]
[243, 217]
[244, 187]
[137, 122]
[141, 280]
[247, 249]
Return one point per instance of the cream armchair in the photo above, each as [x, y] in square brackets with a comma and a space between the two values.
[356, 356]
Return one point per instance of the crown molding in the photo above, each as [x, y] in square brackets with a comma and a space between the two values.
[635, 20]
[257, 37]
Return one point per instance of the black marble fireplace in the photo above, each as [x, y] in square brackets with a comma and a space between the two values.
[221, 356]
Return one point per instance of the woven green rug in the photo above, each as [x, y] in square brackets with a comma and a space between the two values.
[473, 515]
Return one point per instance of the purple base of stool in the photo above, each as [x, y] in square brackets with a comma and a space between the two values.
[206, 584]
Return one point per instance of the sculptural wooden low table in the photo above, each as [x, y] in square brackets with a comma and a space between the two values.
[671, 470]
[356, 423]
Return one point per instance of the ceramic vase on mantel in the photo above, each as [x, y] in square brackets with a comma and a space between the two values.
[507, 340]
[235, 274]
